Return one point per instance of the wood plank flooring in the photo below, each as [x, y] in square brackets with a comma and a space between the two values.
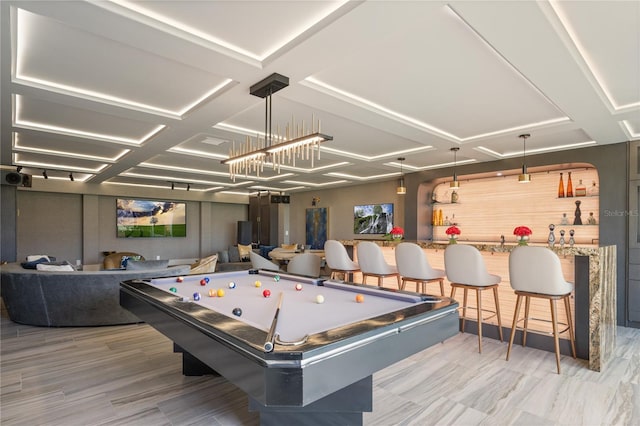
[129, 375]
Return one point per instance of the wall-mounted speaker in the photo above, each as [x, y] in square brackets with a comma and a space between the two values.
[285, 199]
[276, 199]
[18, 179]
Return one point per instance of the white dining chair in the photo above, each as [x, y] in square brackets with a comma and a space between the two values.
[372, 263]
[535, 272]
[413, 266]
[259, 262]
[307, 264]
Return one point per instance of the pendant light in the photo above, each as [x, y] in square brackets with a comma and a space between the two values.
[524, 177]
[401, 189]
[455, 183]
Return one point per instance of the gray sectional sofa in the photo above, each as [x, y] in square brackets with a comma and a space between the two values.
[77, 298]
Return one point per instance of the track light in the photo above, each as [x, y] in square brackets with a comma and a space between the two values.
[173, 186]
[18, 169]
[44, 174]
[188, 186]
[71, 177]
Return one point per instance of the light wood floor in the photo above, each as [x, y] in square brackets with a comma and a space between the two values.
[128, 375]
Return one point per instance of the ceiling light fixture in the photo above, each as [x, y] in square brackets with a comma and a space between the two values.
[188, 186]
[18, 169]
[44, 174]
[455, 183]
[71, 177]
[297, 142]
[173, 186]
[524, 177]
[401, 189]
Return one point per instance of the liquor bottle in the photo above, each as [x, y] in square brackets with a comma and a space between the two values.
[561, 187]
[569, 186]
[581, 190]
[593, 191]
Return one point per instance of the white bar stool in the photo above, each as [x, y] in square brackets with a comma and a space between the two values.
[536, 272]
[338, 259]
[372, 263]
[413, 266]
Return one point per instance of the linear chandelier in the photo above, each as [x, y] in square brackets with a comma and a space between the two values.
[274, 148]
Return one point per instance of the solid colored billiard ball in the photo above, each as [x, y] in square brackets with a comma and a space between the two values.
[232, 285]
[237, 312]
[359, 298]
[319, 298]
[298, 286]
[179, 279]
[212, 293]
[257, 284]
[196, 296]
[276, 278]
[266, 293]
[173, 290]
[220, 292]
[206, 279]
[203, 282]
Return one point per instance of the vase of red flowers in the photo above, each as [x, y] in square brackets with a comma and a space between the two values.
[397, 233]
[453, 232]
[522, 234]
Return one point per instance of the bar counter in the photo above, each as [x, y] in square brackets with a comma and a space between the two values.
[592, 270]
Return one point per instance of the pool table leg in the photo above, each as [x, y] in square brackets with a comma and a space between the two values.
[343, 407]
[192, 366]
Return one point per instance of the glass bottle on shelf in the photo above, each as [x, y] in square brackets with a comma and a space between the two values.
[564, 220]
[561, 187]
[569, 186]
[593, 191]
[581, 190]
[577, 220]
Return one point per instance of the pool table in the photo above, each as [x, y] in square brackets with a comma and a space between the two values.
[319, 369]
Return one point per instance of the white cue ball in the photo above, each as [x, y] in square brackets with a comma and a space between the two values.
[319, 298]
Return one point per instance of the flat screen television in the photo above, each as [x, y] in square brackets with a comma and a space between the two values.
[373, 218]
[149, 218]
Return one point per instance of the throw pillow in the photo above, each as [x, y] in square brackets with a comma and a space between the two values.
[244, 252]
[223, 256]
[126, 259]
[234, 254]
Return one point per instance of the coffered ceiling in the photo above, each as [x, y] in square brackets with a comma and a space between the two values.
[144, 93]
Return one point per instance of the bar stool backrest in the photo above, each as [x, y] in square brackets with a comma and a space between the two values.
[464, 265]
[305, 264]
[337, 257]
[371, 259]
[537, 270]
[412, 262]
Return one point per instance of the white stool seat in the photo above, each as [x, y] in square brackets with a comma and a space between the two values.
[413, 265]
[466, 269]
[536, 272]
[372, 263]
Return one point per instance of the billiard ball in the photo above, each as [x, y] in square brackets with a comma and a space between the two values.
[173, 290]
[220, 292]
[319, 298]
[237, 312]
[257, 284]
[196, 296]
[206, 279]
[359, 298]
[266, 293]
[179, 279]
[299, 287]
[232, 285]
[276, 278]
[203, 282]
[212, 293]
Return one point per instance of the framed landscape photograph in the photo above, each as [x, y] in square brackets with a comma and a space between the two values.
[373, 218]
[149, 218]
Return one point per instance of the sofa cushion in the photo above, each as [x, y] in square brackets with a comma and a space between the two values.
[234, 254]
[223, 256]
[143, 265]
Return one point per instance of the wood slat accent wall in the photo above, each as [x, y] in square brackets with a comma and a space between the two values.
[490, 207]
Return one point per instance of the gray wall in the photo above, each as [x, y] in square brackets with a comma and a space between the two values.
[77, 226]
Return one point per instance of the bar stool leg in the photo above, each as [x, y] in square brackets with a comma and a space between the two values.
[567, 307]
[527, 302]
[479, 302]
[464, 307]
[554, 322]
[495, 298]
[441, 287]
[513, 324]
[398, 279]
